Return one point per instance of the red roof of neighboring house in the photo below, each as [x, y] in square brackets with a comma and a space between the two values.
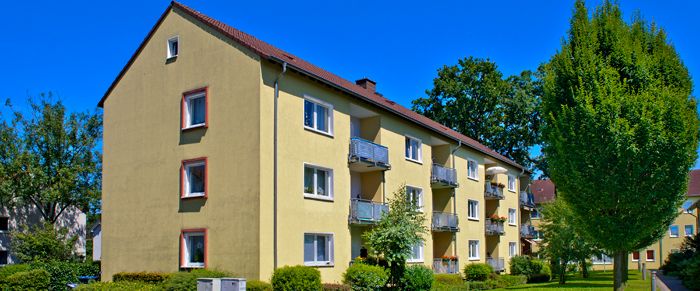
[274, 54]
[543, 190]
[694, 183]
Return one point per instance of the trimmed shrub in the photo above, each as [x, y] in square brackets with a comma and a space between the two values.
[477, 272]
[188, 280]
[146, 277]
[36, 279]
[476, 285]
[448, 279]
[536, 267]
[417, 277]
[290, 278]
[62, 273]
[504, 281]
[118, 286]
[257, 285]
[365, 277]
[10, 270]
[520, 265]
[336, 287]
[539, 278]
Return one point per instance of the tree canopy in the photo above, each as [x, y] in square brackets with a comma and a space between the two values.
[621, 128]
[473, 98]
[48, 158]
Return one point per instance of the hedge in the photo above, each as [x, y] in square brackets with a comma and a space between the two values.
[289, 278]
[365, 277]
[146, 277]
[37, 279]
[336, 287]
[257, 285]
[188, 280]
[119, 286]
[477, 272]
[417, 277]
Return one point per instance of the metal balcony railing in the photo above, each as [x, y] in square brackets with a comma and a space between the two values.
[493, 191]
[498, 264]
[527, 200]
[443, 221]
[527, 231]
[365, 211]
[494, 227]
[368, 152]
[443, 176]
[446, 266]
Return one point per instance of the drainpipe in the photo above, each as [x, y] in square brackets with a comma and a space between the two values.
[274, 167]
[454, 198]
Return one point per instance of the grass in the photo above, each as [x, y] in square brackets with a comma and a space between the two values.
[598, 280]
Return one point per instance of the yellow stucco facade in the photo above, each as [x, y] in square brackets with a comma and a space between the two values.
[143, 213]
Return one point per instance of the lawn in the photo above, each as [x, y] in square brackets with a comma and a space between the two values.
[598, 280]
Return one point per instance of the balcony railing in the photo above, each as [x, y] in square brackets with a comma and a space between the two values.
[527, 200]
[443, 177]
[493, 191]
[366, 211]
[446, 266]
[443, 221]
[364, 151]
[527, 231]
[494, 227]
[498, 264]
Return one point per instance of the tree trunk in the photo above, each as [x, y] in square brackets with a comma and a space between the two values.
[584, 268]
[625, 267]
[618, 265]
[562, 272]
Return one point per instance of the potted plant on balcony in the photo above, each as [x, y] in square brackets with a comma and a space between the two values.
[501, 185]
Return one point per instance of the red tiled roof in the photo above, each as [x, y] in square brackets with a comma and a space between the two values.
[274, 54]
[543, 190]
[694, 183]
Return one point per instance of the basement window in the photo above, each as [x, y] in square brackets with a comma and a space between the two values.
[173, 46]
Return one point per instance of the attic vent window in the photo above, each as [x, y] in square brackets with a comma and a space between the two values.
[173, 46]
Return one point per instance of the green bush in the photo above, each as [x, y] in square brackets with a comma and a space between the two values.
[290, 278]
[477, 285]
[188, 280]
[43, 243]
[63, 273]
[365, 277]
[672, 265]
[690, 272]
[10, 270]
[545, 270]
[521, 265]
[36, 279]
[417, 277]
[118, 286]
[536, 267]
[504, 281]
[477, 272]
[257, 285]
[146, 277]
[336, 287]
[448, 279]
[539, 278]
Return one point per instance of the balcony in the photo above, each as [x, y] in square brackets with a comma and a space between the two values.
[446, 266]
[494, 227]
[366, 211]
[498, 264]
[443, 221]
[527, 201]
[527, 231]
[443, 177]
[366, 156]
[493, 191]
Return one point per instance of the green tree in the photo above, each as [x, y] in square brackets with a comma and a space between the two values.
[621, 129]
[48, 158]
[397, 232]
[473, 98]
[42, 243]
[562, 242]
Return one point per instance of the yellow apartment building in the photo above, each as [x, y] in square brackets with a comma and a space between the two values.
[222, 151]
[686, 224]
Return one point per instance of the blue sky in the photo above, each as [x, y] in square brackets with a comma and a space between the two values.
[76, 48]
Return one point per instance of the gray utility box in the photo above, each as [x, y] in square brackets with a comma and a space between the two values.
[221, 284]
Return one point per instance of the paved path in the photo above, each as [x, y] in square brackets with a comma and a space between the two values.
[669, 283]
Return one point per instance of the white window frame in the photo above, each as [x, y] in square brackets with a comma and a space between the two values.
[646, 255]
[685, 230]
[475, 255]
[512, 178]
[512, 216]
[188, 166]
[670, 231]
[421, 198]
[419, 152]
[329, 182]
[475, 215]
[639, 255]
[329, 115]
[603, 260]
[188, 109]
[512, 249]
[168, 47]
[475, 175]
[421, 250]
[186, 251]
[330, 244]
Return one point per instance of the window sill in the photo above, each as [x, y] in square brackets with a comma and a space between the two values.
[170, 59]
[414, 161]
[415, 261]
[328, 134]
[474, 259]
[473, 179]
[473, 218]
[673, 236]
[318, 197]
[319, 264]
[512, 191]
[192, 127]
[192, 267]
[194, 196]
[651, 260]
[513, 224]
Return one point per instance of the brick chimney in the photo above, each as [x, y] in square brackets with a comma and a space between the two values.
[367, 84]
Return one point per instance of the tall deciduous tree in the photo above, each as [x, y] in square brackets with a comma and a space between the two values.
[48, 158]
[473, 98]
[621, 129]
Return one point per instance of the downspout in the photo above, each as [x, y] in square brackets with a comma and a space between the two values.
[454, 197]
[274, 167]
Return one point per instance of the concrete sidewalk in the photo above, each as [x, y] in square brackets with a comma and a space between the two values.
[669, 283]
